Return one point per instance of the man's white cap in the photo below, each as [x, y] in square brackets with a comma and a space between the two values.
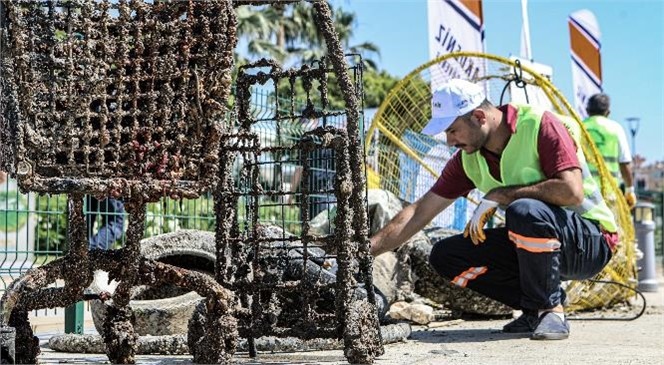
[450, 101]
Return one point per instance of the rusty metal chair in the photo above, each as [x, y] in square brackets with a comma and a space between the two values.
[122, 99]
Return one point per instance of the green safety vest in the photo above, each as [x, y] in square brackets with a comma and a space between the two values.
[606, 140]
[519, 165]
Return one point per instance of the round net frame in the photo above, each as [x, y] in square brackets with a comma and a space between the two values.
[122, 98]
[394, 136]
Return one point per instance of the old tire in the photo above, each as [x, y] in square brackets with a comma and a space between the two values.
[157, 311]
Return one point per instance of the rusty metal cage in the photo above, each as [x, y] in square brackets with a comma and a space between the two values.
[290, 279]
[114, 97]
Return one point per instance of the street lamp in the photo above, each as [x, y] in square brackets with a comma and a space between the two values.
[633, 123]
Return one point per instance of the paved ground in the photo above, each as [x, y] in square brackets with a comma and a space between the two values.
[479, 342]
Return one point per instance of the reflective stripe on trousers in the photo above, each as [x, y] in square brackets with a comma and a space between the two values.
[534, 244]
[470, 274]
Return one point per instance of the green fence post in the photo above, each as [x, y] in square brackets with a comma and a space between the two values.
[74, 315]
[74, 318]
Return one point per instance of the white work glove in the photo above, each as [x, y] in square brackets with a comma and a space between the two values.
[630, 197]
[475, 228]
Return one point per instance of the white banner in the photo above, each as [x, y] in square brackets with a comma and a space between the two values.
[586, 59]
[455, 25]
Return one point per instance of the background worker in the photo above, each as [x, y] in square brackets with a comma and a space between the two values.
[111, 226]
[111, 212]
[557, 226]
[321, 173]
[611, 141]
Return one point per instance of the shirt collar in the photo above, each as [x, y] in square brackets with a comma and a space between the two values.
[510, 113]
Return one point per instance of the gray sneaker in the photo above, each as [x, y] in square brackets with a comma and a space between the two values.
[551, 327]
[526, 323]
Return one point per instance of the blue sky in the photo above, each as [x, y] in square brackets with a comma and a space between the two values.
[632, 48]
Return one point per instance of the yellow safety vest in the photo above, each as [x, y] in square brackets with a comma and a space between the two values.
[607, 143]
[520, 165]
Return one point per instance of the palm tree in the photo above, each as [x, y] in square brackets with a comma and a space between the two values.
[289, 34]
[308, 43]
[256, 29]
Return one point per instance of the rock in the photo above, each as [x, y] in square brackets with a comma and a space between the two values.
[397, 310]
[384, 272]
[421, 313]
[418, 313]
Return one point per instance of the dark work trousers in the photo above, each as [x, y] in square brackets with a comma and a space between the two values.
[111, 212]
[523, 263]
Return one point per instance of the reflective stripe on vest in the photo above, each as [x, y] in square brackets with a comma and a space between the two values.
[522, 166]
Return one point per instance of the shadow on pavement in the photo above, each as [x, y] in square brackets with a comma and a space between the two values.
[465, 335]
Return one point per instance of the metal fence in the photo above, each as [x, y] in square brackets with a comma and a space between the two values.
[34, 227]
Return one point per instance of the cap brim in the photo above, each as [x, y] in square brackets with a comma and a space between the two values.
[437, 125]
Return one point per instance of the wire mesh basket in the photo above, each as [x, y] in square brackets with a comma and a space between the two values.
[114, 97]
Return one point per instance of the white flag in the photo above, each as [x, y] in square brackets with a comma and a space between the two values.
[455, 25]
[586, 61]
[526, 52]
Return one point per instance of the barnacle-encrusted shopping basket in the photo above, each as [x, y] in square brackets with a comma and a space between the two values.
[292, 280]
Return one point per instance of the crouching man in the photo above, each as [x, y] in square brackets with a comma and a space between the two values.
[557, 225]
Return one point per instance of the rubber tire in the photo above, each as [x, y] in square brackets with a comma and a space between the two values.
[167, 316]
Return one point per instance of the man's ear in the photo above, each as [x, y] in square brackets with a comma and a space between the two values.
[480, 116]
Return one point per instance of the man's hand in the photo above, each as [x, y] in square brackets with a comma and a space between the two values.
[630, 197]
[407, 222]
[475, 228]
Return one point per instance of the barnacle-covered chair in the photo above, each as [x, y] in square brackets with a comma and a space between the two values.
[123, 99]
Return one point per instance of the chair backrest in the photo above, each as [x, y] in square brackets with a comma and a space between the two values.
[108, 90]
